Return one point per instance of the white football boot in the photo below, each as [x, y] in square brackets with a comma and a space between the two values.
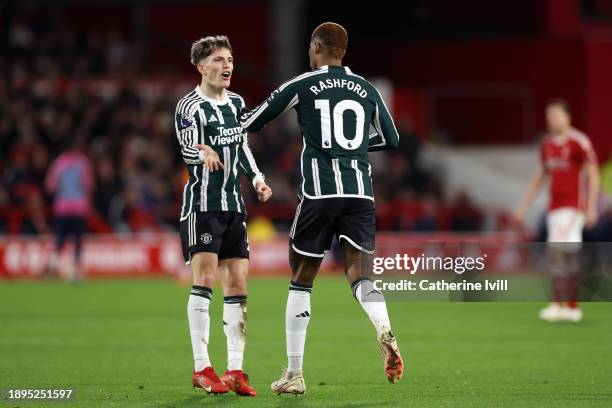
[573, 315]
[554, 312]
[289, 384]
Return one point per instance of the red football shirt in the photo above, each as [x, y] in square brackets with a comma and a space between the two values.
[563, 157]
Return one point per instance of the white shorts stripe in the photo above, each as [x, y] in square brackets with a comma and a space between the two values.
[191, 224]
[189, 230]
[295, 219]
[183, 207]
[307, 253]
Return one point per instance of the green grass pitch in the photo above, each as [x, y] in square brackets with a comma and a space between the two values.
[125, 343]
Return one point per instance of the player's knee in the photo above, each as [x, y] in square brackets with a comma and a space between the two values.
[204, 275]
[200, 280]
[356, 263]
[304, 269]
[302, 280]
[236, 286]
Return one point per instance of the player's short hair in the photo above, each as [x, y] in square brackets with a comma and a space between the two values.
[203, 47]
[333, 37]
[561, 103]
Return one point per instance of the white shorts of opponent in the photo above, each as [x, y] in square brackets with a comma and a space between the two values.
[565, 225]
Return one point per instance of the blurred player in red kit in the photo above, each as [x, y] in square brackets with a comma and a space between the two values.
[567, 157]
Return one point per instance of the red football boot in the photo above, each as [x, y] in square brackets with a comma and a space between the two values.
[208, 380]
[238, 382]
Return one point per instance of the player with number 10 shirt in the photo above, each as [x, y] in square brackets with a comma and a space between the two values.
[342, 117]
[335, 108]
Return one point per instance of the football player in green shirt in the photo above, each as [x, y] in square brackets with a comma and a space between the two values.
[336, 110]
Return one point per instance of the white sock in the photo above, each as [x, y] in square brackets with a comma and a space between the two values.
[297, 316]
[373, 302]
[199, 324]
[234, 327]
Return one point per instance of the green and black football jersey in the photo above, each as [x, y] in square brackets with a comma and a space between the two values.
[342, 117]
[203, 120]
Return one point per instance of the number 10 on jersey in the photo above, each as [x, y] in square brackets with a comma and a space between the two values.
[323, 105]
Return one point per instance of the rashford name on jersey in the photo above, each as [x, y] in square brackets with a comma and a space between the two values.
[331, 83]
[342, 117]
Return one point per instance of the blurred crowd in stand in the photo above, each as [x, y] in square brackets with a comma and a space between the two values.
[62, 90]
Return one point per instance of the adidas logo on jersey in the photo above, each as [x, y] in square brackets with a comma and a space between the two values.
[303, 314]
[213, 118]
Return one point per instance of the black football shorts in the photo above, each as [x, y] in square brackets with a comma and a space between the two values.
[221, 232]
[317, 221]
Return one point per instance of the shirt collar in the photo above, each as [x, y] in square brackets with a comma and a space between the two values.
[224, 101]
[347, 69]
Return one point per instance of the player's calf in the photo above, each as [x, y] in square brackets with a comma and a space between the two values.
[373, 303]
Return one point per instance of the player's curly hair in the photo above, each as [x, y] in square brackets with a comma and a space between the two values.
[203, 47]
[333, 37]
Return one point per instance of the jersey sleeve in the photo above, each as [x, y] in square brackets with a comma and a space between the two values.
[280, 100]
[188, 134]
[247, 163]
[384, 135]
[375, 141]
[585, 150]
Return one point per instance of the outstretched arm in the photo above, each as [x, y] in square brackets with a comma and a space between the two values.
[279, 101]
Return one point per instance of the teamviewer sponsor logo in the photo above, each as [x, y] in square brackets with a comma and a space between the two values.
[227, 136]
